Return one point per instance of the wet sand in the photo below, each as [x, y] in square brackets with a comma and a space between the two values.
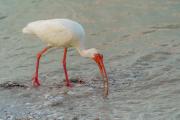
[141, 47]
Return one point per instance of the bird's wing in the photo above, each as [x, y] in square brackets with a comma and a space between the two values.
[53, 31]
[58, 28]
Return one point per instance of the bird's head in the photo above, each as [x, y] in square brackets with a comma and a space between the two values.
[98, 58]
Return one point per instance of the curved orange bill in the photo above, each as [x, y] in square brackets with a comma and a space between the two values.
[98, 58]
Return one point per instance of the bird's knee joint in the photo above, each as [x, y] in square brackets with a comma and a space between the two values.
[38, 55]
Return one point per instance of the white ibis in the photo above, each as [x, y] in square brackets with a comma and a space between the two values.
[64, 33]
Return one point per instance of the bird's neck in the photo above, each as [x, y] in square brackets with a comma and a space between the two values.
[83, 52]
[88, 52]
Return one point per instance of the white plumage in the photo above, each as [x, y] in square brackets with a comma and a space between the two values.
[64, 33]
[58, 32]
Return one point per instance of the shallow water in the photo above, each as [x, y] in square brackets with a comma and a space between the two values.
[140, 43]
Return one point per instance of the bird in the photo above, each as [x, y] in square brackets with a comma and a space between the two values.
[64, 33]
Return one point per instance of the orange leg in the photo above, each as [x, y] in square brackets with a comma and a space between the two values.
[68, 82]
[35, 79]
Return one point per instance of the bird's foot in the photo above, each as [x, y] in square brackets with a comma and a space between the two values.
[69, 85]
[35, 82]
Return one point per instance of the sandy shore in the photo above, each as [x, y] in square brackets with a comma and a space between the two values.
[141, 45]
